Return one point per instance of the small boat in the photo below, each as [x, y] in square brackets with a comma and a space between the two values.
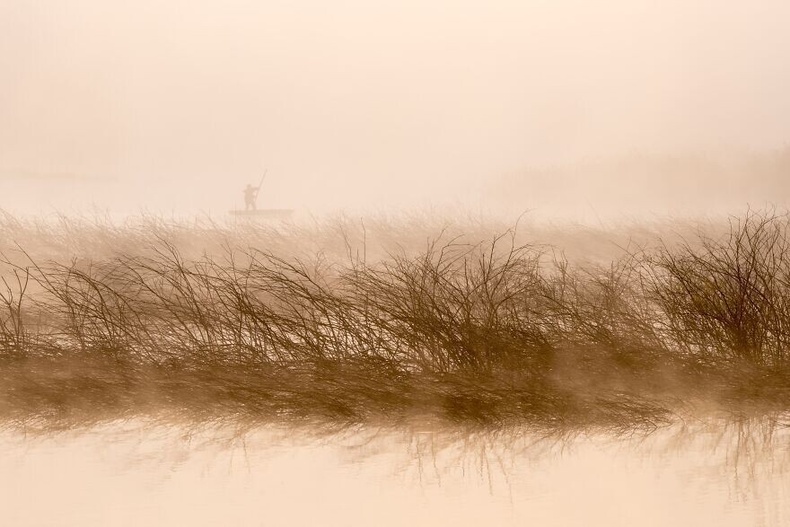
[264, 214]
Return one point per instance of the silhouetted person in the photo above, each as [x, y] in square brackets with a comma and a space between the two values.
[250, 195]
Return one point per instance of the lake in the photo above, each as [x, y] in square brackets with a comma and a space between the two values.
[698, 472]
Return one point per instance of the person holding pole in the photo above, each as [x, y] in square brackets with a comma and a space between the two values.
[251, 195]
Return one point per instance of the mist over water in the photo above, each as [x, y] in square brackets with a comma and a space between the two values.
[562, 110]
[168, 106]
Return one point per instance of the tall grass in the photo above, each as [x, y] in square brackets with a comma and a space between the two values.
[465, 330]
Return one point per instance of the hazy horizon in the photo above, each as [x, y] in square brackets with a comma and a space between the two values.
[175, 106]
[496, 347]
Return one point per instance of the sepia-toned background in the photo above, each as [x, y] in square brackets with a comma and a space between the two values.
[174, 106]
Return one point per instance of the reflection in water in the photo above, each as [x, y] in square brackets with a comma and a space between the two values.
[692, 473]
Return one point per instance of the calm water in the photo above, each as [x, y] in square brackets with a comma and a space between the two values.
[701, 473]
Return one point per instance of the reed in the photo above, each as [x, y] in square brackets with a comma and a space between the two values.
[343, 322]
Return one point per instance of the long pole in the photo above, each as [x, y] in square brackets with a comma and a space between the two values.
[262, 178]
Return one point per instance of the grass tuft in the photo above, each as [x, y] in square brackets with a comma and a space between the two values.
[487, 329]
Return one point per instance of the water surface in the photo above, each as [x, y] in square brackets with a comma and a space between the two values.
[130, 473]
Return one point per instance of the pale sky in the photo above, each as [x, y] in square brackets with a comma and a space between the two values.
[178, 104]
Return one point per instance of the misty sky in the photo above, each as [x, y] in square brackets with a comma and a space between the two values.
[178, 104]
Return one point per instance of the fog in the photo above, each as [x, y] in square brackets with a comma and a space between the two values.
[174, 106]
[565, 109]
